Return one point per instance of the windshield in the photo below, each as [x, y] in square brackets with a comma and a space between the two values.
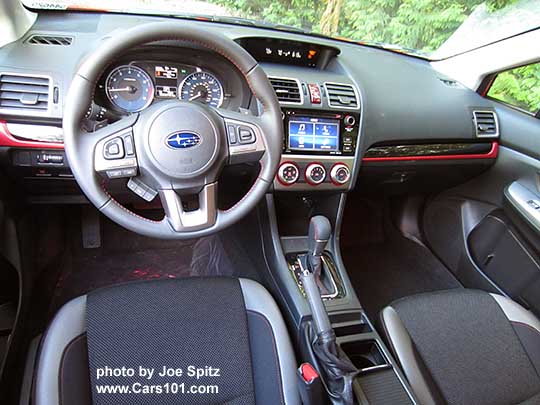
[431, 28]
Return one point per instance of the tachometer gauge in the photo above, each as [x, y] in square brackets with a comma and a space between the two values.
[129, 88]
[202, 87]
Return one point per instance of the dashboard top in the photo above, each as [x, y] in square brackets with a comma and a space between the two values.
[400, 98]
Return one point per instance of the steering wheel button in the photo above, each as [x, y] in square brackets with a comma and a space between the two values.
[114, 174]
[246, 135]
[128, 144]
[114, 149]
[141, 189]
[231, 131]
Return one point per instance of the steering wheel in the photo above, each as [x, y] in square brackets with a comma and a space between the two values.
[173, 148]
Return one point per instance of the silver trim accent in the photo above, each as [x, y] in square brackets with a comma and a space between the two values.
[303, 159]
[102, 165]
[180, 220]
[309, 173]
[258, 299]
[301, 102]
[402, 346]
[334, 285]
[243, 152]
[334, 170]
[519, 195]
[29, 112]
[282, 168]
[340, 107]
[516, 313]
[495, 118]
[143, 72]
[39, 133]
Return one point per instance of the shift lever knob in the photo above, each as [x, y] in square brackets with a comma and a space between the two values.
[319, 233]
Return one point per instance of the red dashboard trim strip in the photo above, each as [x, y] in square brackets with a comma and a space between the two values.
[492, 154]
[7, 139]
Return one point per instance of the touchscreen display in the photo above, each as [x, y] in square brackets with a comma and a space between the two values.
[312, 133]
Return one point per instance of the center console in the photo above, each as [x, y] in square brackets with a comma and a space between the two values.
[318, 150]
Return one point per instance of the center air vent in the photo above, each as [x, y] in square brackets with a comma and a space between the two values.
[486, 124]
[287, 90]
[341, 95]
[49, 40]
[18, 93]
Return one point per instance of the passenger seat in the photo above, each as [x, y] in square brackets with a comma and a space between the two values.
[466, 347]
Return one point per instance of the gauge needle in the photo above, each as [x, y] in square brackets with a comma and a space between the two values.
[129, 89]
[195, 97]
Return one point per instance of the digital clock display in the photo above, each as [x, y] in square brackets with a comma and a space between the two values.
[278, 51]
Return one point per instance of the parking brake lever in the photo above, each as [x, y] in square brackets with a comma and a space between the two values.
[337, 368]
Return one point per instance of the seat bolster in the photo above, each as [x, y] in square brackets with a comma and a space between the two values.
[68, 324]
[516, 313]
[406, 354]
[526, 326]
[257, 299]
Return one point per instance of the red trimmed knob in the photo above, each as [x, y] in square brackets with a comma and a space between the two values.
[340, 173]
[315, 173]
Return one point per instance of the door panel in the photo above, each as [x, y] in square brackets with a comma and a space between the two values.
[487, 231]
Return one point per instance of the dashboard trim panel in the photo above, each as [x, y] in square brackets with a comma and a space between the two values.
[491, 154]
[7, 139]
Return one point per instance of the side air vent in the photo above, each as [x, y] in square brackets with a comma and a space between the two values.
[50, 40]
[287, 90]
[24, 93]
[341, 95]
[486, 124]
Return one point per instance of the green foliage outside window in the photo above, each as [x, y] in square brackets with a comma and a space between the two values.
[519, 87]
[421, 25]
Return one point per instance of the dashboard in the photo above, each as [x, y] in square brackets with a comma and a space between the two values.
[349, 110]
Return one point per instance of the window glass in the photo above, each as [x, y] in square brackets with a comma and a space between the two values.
[519, 87]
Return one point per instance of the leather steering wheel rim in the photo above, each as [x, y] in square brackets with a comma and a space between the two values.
[81, 147]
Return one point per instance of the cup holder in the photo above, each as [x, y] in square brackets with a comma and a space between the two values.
[366, 355]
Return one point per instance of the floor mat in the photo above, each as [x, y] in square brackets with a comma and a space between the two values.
[125, 256]
[392, 267]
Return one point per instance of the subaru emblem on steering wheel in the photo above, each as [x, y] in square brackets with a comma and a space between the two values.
[182, 140]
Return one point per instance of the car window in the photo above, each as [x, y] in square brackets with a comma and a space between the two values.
[519, 87]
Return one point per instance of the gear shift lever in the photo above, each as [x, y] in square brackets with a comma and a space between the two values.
[338, 369]
[318, 235]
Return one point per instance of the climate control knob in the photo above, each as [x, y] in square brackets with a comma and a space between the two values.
[288, 173]
[349, 120]
[315, 173]
[340, 174]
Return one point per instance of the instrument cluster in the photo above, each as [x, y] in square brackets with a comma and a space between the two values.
[132, 87]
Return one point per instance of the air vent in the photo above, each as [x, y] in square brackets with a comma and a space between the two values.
[341, 95]
[486, 124]
[49, 40]
[449, 82]
[287, 90]
[19, 92]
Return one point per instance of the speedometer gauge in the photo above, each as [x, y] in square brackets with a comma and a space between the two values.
[129, 88]
[202, 87]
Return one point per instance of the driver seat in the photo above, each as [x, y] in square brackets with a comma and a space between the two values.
[224, 332]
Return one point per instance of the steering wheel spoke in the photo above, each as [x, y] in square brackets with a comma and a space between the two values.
[114, 149]
[182, 220]
[244, 137]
